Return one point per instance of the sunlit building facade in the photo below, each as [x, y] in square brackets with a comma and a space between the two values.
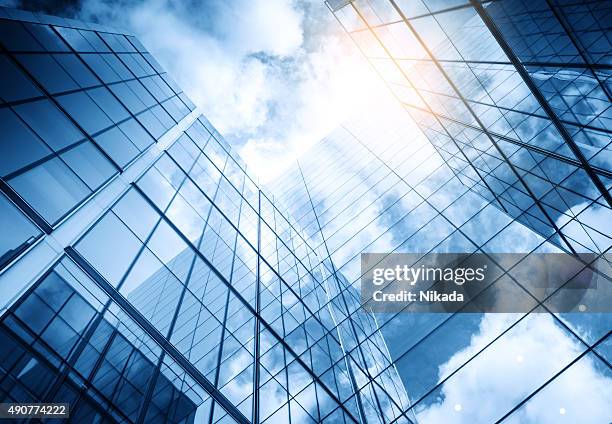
[515, 96]
[145, 276]
[377, 185]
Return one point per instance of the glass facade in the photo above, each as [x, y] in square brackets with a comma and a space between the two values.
[145, 276]
[378, 185]
[514, 95]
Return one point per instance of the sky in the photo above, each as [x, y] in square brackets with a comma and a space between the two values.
[273, 76]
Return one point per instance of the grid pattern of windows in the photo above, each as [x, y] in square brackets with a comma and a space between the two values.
[515, 96]
[189, 296]
[390, 195]
[77, 105]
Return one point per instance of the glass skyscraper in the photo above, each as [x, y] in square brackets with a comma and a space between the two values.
[514, 95]
[146, 277]
[393, 192]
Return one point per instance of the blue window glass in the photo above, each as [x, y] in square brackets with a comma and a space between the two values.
[83, 109]
[14, 85]
[154, 63]
[47, 72]
[94, 40]
[89, 164]
[77, 70]
[136, 134]
[17, 231]
[51, 188]
[110, 234]
[108, 103]
[16, 38]
[151, 123]
[75, 39]
[141, 92]
[117, 146]
[49, 123]
[130, 62]
[112, 41]
[136, 43]
[19, 146]
[100, 67]
[128, 97]
[117, 66]
[47, 37]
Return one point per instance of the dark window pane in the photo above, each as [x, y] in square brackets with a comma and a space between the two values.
[47, 37]
[47, 72]
[15, 37]
[14, 85]
[52, 189]
[34, 313]
[89, 164]
[85, 112]
[54, 290]
[49, 123]
[19, 146]
[17, 230]
[77, 70]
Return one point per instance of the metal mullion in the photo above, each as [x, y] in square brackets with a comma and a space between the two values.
[256, 366]
[507, 109]
[538, 305]
[213, 204]
[28, 210]
[357, 392]
[475, 245]
[380, 196]
[588, 66]
[225, 314]
[436, 209]
[340, 193]
[148, 394]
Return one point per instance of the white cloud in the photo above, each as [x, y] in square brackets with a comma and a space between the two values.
[274, 76]
[513, 367]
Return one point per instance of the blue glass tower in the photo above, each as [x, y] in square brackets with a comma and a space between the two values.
[145, 276]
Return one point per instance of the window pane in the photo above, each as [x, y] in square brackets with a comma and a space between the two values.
[50, 124]
[117, 146]
[14, 85]
[89, 164]
[17, 230]
[19, 146]
[52, 189]
[85, 112]
[47, 72]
